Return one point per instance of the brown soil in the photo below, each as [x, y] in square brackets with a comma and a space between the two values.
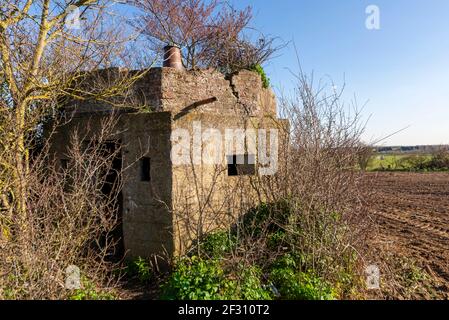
[411, 212]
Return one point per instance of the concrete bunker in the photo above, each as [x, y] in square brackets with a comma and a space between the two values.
[152, 184]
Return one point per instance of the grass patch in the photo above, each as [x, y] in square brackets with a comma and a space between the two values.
[89, 291]
[392, 162]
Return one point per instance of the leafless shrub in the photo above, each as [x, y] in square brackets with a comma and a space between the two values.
[329, 222]
[207, 200]
[44, 65]
[365, 156]
[230, 56]
[439, 160]
[211, 34]
[43, 61]
[69, 221]
[317, 198]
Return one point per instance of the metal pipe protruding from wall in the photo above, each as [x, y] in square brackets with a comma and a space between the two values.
[172, 57]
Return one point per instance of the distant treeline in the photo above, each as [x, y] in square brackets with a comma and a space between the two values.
[428, 149]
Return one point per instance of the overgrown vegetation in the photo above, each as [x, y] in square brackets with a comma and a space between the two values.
[211, 34]
[293, 284]
[140, 269]
[260, 70]
[284, 271]
[52, 216]
[196, 278]
[303, 238]
[90, 291]
[305, 242]
[69, 222]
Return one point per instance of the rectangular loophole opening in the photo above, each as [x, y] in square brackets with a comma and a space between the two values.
[145, 166]
[241, 165]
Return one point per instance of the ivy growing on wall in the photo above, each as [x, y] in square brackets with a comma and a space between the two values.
[259, 69]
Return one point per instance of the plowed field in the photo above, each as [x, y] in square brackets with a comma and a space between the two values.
[412, 215]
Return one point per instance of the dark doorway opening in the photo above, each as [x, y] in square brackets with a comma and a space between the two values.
[112, 189]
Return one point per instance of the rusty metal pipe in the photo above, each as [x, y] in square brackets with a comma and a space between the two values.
[173, 57]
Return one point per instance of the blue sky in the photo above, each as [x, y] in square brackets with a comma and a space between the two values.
[402, 70]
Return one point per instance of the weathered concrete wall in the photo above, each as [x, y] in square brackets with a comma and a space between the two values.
[147, 219]
[168, 89]
[182, 89]
[241, 94]
[205, 197]
[258, 101]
